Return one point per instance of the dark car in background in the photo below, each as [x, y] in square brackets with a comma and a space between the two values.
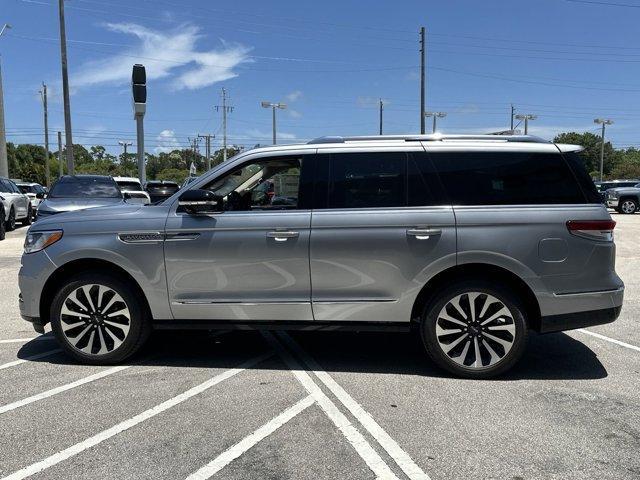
[77, 192]
[160, 190]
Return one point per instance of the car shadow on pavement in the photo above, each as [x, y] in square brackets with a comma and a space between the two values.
[553, 356]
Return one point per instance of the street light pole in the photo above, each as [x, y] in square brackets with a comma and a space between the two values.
[381, 109]
[526, 118]
[273, 107]
[4, 163]
[65, 90]
[47, 170]
[435, 116]
[604, 122]
[124, 144]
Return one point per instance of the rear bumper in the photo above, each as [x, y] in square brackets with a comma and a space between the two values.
[570, 321]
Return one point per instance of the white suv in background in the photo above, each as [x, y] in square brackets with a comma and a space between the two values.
[17, 205]
[31, 190]
[132, 189]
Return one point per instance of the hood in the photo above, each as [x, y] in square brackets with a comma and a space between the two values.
[60, 205]
[624, 190]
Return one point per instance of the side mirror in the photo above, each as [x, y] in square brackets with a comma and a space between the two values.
[200, 201]
[41, 196]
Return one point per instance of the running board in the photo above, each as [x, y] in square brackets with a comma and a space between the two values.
[307, 325]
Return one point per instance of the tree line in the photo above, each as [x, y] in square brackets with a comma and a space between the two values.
[27, 161]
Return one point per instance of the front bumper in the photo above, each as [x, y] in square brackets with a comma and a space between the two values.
[34, 272]
[612, 202]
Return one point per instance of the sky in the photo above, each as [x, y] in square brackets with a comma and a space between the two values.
[567, 61]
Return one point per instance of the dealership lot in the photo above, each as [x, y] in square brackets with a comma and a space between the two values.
[320, 405]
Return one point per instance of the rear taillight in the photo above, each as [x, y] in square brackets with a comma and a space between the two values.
[601, 230]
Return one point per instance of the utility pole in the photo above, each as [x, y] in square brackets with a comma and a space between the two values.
[422, 80]
[125, 144]
[4, 163]
[435, 116]
[273, 107]
[65, 90]
[604, 122]
[61, 171]
[381, 108]
[225, 109]
[513, 112]
[47, 170]
[526, 118]
[207, 146]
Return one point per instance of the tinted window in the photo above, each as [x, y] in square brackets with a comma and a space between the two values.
[85, 187]
[507, 178]
[130, 186]
[13, 187]
[4, 186]
[27, 188]
[586, 184]
[361, 180]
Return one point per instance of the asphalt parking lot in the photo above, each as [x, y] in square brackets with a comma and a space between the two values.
[238, 405]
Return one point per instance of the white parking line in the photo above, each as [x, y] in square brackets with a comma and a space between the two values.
[609, 339]
[25, 340]
[229, 455]
[402, 458]
[60, 389]
[131, 422]
[353, 436]
[29, 358]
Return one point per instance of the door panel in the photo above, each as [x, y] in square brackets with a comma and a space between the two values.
[369, 266]
[250, 261]
[385, 237]
[233, 266]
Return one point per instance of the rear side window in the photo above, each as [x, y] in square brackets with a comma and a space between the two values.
[361, 180]
[586, 184]
[507, 178]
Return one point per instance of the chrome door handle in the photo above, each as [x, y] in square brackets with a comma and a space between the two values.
[282, 235]
[423, 233]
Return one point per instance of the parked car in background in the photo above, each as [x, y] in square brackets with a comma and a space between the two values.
[160, 190]
[32, 190]
[16, 205]
[469, 242]
[132, 190]
[602, 187]
[624, 199]
[77, 192]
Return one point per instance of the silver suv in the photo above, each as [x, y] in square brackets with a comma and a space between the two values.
[468, 241]
[15, 205]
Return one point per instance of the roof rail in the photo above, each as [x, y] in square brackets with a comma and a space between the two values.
[436, 137]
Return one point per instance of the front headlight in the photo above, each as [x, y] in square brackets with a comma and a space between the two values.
[37, 241]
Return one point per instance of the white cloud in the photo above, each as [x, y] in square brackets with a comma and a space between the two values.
[294, 96]
[294, 113]
[164, 52]
[256, 134]
[167, 141]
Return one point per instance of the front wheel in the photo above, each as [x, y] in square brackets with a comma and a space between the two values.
[475, 329]
[97, 319]
[628, 206]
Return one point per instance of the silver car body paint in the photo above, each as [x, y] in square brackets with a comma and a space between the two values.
[358, 265]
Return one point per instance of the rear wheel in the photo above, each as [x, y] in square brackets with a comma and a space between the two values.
[11, 221]
[97, 319]
[28, 220]
[475, 329]
[628, 206]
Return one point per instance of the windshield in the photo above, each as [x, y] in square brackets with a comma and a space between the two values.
[85, 187]
[130, 186]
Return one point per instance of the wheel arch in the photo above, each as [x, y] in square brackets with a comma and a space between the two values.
[75, 267]
[478, 271]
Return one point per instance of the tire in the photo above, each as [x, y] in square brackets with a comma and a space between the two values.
[2, 231]
[28, 220]
[443, 325]
[11, 221]
[628, 206]
[102, 338]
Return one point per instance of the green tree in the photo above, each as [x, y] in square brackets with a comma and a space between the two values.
[591, 153]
